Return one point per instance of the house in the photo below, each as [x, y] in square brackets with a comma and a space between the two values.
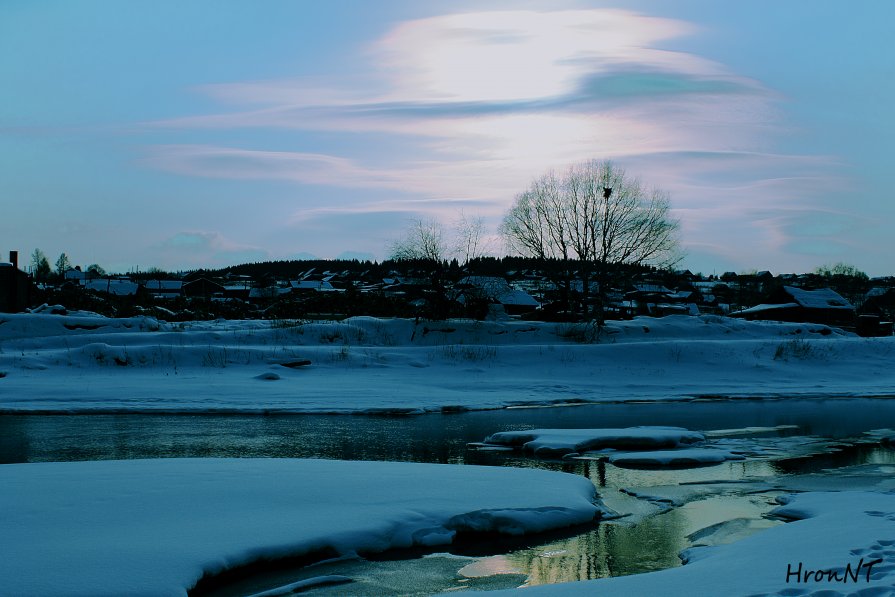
[880, 301]
[268, 293]
[75, 274]
[238, 290]
[877, 312]
[202, 288]
[646, 299]
[517, 302]
[164, 289]
[15, 285]
[494, 290]
[793, 304]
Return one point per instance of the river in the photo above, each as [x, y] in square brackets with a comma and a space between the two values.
[649, 537]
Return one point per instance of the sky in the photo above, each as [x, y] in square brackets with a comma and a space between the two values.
[196, 134]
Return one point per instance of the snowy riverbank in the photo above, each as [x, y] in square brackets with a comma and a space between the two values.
[85, 363]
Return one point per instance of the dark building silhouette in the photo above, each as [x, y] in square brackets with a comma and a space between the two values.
[15, 285]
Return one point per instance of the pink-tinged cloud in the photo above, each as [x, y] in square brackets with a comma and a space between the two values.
[486, 101]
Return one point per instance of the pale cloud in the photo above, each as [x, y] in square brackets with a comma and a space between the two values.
[199, 248]
[492, 56]
[486, 101]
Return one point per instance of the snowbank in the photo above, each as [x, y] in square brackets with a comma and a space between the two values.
[155, 527]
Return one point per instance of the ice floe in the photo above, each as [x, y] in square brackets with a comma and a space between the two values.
[673, 458]
[559, 442]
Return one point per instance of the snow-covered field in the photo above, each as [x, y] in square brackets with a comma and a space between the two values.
[156, 527]
[72, 363]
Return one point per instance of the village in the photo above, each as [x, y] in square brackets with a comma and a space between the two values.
[484, 288]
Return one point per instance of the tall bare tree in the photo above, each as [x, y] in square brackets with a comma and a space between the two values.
[592, 217]
[40, 266]
[63, 264]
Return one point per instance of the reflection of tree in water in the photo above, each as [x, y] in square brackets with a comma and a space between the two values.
[612, 549]
[15, 444]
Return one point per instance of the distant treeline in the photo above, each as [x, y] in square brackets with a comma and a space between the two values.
[481, 266]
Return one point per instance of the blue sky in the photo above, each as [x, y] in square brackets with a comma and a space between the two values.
[188, 134]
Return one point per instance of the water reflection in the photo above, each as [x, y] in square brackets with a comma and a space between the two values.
[428, 438]
[847, 455]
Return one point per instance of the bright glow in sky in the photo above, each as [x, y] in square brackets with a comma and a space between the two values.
[204, 135]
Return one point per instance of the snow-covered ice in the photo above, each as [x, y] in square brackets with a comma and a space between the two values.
[558, 442]
[155, 527]
[684, 446]
[685, 457]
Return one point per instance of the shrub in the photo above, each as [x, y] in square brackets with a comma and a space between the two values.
[796, 349]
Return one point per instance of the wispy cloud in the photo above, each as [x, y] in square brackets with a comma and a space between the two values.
[231, 162]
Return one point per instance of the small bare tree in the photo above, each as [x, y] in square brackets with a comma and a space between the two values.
[424, 244]
[593, 217]
[424, 241]
[470, 242]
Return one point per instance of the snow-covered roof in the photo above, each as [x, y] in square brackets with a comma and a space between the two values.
[169, 285]
[519, 298]
[311, 285]
[657, 288]
[112, 286]
[487, 282]
[824, 298]
[766, 307]
[681, 294]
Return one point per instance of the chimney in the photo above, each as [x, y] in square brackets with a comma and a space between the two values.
[14, 259]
